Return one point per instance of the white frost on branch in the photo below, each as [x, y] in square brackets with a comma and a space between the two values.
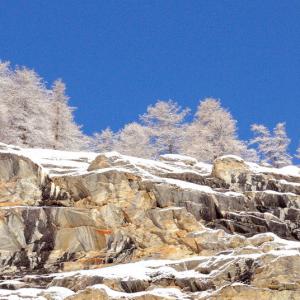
[213, 133]
[272, 146]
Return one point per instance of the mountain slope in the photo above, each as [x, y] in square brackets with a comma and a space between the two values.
[120, 227]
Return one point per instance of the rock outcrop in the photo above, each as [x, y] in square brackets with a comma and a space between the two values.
[21, 180]
[119, 227]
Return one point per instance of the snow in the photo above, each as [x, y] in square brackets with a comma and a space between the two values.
[285, 171]
[148, 169]
[189, 186]
[288, 245]
[171, 208]
[29, 293]
[60, 163]
[231, 157]
[10, 282]
[171, 166]
[152, 168]
[60, 160]
[282, 181]
[278, 193]
[176, 158]
[233, 194]
[290, 170]
[54, 160]
[204, 167]
[57, 162]
[144, 270]
[197, 187]
[149, 164]
[57, 293]
[149, 269]
[168, 293]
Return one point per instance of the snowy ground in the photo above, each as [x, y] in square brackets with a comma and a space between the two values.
[58, 162]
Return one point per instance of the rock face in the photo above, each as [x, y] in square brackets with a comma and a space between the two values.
[42, 238]
[20, 180]
[119, 227]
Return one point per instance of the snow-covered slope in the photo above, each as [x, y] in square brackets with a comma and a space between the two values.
[81, 225]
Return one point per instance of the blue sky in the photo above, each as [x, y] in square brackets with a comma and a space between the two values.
[117, 57]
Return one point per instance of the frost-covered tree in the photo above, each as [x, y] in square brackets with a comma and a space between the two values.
[6, 84]
[28, 124]
[66, 133]
[249, 154]
[282, 143]
[104, 141]
[165, 123]
[273, 146]
[264, 141]
[3, 118]
[32, 115]
[213, 133]
[134, 139]
[298, 153]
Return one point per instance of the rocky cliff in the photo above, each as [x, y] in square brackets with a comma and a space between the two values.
[107, 226]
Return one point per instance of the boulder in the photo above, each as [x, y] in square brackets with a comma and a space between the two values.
[100, 162]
